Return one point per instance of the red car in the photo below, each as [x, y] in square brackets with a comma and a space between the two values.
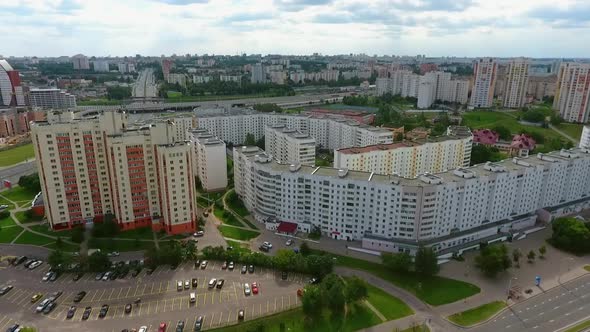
[162, 327]
[254, 288]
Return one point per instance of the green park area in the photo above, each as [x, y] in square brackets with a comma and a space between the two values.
[6, 220]
[34, 239]
[236, 204]
[478, 314]
[16, 155]
[390, 307]
[226, 217]
[20, 195]
[7, 234]
[572, 129]
[237, 233]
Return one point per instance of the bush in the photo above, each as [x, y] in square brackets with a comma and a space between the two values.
[77, 235]
[571, 234]
[30, 182]
[4, 214]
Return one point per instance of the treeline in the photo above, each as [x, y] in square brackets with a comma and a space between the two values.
[118, 92]
[221, 88]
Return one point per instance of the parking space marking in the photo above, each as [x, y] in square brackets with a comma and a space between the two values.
[275, 305]
[228, 316]
[128, 290]
[119, 294]
[7, 323]
[24, 299]
[111, 294]
[211, 320]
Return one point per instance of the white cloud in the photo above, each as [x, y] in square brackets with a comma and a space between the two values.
[432, 27]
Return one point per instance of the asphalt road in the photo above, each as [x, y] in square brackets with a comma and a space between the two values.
[548, 311]
[145, 85]
[13, 173]
[160, 299]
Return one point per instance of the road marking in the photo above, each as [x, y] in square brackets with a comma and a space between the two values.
[536, 326]
[580, 308]
[541, 313]
[568, 313]
[556, 307]
[551, 321]
[570, 302]
[275, 305]
[220, 316]
[119, 295]
[127, 294]
[111, 295]
[507, 326]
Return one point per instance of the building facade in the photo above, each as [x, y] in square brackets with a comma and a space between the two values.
[51, 98]
[15, 122]
[209, 160]
[585, 138]
[99, 167]
[258, 74]
[101, 66]
[288, 145]
[447, 210]
[80, 62]
[11, 91]
[516, 83]
[407, 84]
[484, 81]
[572, 93]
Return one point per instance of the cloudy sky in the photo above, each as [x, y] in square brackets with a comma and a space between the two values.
[536, 28]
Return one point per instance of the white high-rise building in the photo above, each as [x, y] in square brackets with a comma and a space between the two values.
[441, 81]
[426, 92]
[517, 81]
[409, 159]
[258, 73]
[449, 210]
[182, 127]
[572, 93]
[209, 160]
[402, 82]
[51, 98]
[288, 145]
[80, 62]
[94, 167]
[585, 138]
[484, 81]
[410, 85]
[101, 65]
[458, 91]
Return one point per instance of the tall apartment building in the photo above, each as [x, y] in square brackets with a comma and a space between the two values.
[15, 122]
[51, 98]
[409, 159]
[288, 145]
[517, 81]
[176, 78]
[328, 132]
[258, 73]
[166, 67]
[80, 62]
[572, 93]
[182, 127]
[484, 81]
[585, 138]
[446, 211]
[126, 67]
[11, 91]
[542, 86]
[101, 65]
[209, 160]
[95, 167]
[426, 92]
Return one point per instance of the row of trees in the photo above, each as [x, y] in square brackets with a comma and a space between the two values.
[495, 258]
[173, 253]
[221, 88]
[118, 92]
[424, 263]
[61, 261]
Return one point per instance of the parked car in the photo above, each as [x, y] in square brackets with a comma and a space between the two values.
[284, 275]
[28, 262]
[79, 296]
[254, 288]
[192, 298]
[220, 283]
[289, 242]
[42, 305]
[178, 285]
[199, 234]
[143, 329]
[314, 280]
[54, 276]
[231, 266]
[224, 265]
[35, 264]
[244, 269]
[19, 260]
[162, 327]
[128, 308]
[103, 311]
[107, 276]
[241, 314]
[149, 272]
[47, 276]
[86, 313]
[203, 264]
[49, 307]
[247, 290]
[99, 276]
[198, 323]
[78, 276]
[71, 312]
[212, 282]
[251, 268]
[180, 326]
[36, 297]
[187, 284]
[13, 328]
[195, 282]
[264, 248]
[268, 244]
[5, 289]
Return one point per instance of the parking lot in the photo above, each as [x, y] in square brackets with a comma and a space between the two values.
[160, 299]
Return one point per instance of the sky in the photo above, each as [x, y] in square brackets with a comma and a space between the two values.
[503, 28]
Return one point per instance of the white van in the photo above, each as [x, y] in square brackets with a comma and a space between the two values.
[192, 298]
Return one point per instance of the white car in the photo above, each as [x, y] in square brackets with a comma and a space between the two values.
[179, 285]
[42, 305]
[289, 242]
[267, 244]
[247, 290]
[203, 264]
[143, 329]
[106, 276]
[35, 265]
[192, 298]
[212, 282]
[47, 276]
[187, 284]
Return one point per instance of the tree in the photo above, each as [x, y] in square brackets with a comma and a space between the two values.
[516, 255]
[556, 119]
[250, 139]
[493, 259]
[77, 234]
[333, 292]
[98, 262]
[304, 249]
[355, 290]
[481, 154]
[319, 265]
[533, 116]
[55, 259]
[571, 234]
[542, 251]
[284, 259]
[311, 301]
[30, 182]
[118, 92]
[531, 256]
[503, 132]
[59, 242]
[425, 262]
[401, 262]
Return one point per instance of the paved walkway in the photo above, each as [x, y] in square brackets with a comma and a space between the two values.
[562, 133]
[377, 312]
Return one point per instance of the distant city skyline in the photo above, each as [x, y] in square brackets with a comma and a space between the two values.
[501, 28]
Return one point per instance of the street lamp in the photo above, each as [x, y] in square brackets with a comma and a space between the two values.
[510, 285]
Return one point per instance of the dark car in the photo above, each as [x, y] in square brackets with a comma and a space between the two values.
[13, 328]
[264, 248]
[314, 280]
[71, 312]
[198, 323]
[244, 269]
[114, 275]
[180, 326]
[103, 311]
[284, 275]
[123, 274]
[149, 271]
[197, 263]
[224, 265]
[54, 276]
[29, 262]
[135, 273]
[79, 296]
[86, 313]
[5, 289]
[128, 308]
[56, 295]
[49, 307]
[241, 314]
[195, 282]
[251, 268]
[19, 260]
[220, 283]
[78, 276]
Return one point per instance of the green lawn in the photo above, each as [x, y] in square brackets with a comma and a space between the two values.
[237, 233]
[236, 204]
[483, 119]
[417, 328]
[358, 317]
[145, 233]
[478, 314]
[572, 129]
[226, 217]
[173, 94]
[25, 218]
[19, 195]
[587, 268]
[119, 245]
[16, 155]
[391, 307]
[32, 238]
[3, 201]
[8, 221]
[583, 326]
[432, 290]
[45, 229]
[8, 234]
[250, 224]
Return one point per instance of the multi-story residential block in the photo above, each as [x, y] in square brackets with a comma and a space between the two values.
[230, 78]
[11, 91]
[277, 77]
[80, 62]
[258, 73]
[541, 86]
[167, 65]
[484, 81]
[209, 160]
[199, 79]
[572, 93]
[101, 65]
[458, 92]
[126, 67]
[98, 167]
[182, 127]
[441, 81]
[176, 78]
[288, 145]
[51, 98]
[15, 122]
[409, 159]
[585, 138]
[426, 92]
[448, 211]
[328, 132]
[516, 83]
